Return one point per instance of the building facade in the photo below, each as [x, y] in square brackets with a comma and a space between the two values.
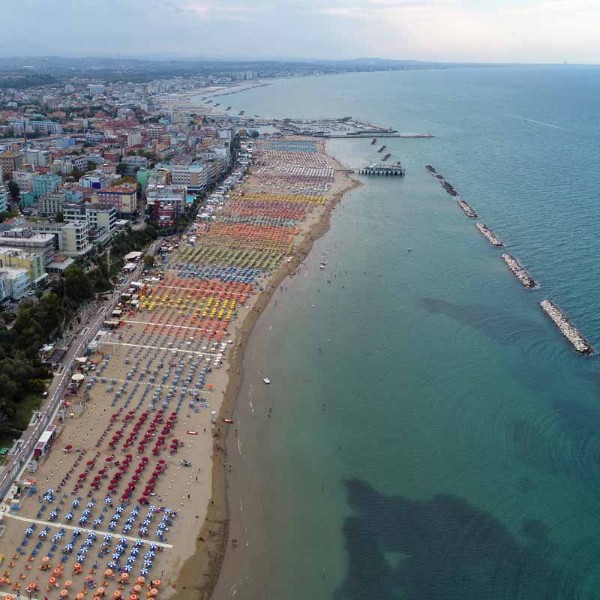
[11, 162]
[122, 197]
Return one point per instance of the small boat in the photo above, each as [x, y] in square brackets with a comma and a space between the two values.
[409, 249]
[374, 141]
[267, 380]
[229, 421]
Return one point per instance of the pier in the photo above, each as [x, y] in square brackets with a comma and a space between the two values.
[566, 327]
[488, 234]
[519, 271]
[396, 170]
[467, 209]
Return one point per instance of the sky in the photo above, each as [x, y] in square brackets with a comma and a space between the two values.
[543, 31]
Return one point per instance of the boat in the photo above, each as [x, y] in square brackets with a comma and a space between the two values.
[386, 157]
[381, 149]
[374, 141]
[228, 421]
[267, 380]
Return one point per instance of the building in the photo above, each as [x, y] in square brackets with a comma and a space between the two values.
[70, 238]
[3, 199]
[10, 162]
[42, 127]
[101, 219]
[3, 288]
[166, 203]
[133, 164]
[24, 179]
[51, 204]
[96, 181]
[37, 158]
[134, 138]
[40, 243]
[96, 89]
[16, 282]
[122, 197]
[45, 184]
[195, 177]
[19, 259]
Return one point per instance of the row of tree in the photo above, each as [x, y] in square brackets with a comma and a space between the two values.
[40, 321]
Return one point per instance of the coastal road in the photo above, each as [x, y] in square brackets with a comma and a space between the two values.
[17, 463]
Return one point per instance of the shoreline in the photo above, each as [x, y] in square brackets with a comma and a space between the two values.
[201, 572]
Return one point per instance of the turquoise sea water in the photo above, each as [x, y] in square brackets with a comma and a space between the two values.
[433, 436]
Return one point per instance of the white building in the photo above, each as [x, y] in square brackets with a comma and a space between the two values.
[16, 282]
[134, 138]
[24, 179]
[3, 199]
[195, 177]
[70, 238]
[37, 158]
[96, 89]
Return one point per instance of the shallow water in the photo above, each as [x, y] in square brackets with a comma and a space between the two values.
[433, 435]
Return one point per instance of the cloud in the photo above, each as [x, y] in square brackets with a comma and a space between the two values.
[451, 30]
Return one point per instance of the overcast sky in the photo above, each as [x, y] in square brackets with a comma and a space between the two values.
[445, 30]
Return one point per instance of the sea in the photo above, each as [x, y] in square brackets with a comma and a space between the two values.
[431, 436]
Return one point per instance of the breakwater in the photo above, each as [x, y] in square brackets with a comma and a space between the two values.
[445, 184]
[519, 271]
[467, 209]
[489, 235]
[566, 327]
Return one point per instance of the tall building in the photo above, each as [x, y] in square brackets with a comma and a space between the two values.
[45, 184]
[40, 243]
[166, 203]
[24, 179]
[70, 238]
[122, 197]
[3, 198]
[37, 158]
[50, 204]
[194, 177]
[16, 282]
[19, 259]
[10, 162]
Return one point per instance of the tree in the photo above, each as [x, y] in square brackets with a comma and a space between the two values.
[148, 261]
[121, 169]
[59, 217]
[13, 188]
[77, 174]
[254, 134]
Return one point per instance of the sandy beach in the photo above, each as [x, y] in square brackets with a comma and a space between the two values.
[201, 572]
[131, 500]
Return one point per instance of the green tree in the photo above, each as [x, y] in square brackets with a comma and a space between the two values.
[59, 217]
[149, 261]
[13, 188]
[121, 169]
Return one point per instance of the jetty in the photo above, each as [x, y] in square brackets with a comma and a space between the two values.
[467, 209]
[395, 170]
[566, 327]
[519, 271]
[488, 234]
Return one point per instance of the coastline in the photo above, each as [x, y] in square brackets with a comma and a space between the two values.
[201, 572]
